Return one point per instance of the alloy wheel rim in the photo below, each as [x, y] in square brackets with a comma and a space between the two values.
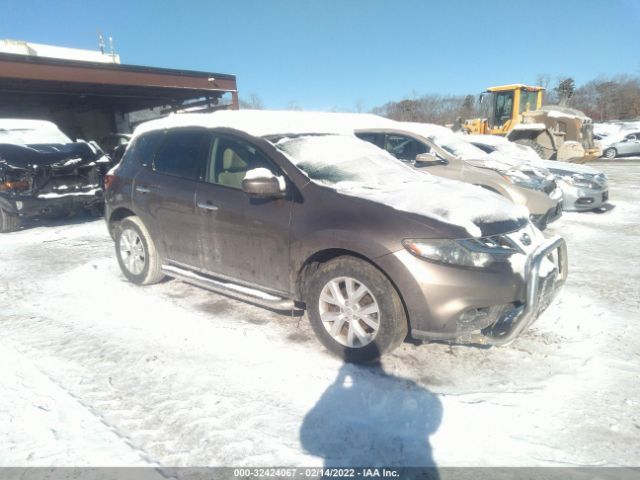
[349, 312]
[132, 251]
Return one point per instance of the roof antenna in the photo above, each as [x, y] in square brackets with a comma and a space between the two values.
[101, 42]
[113, 53]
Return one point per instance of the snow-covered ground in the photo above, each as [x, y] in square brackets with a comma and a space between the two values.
[96, 371]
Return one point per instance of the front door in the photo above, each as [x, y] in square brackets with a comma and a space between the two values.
[242, 238]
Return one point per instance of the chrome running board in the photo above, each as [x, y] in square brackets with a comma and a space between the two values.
[240, 292]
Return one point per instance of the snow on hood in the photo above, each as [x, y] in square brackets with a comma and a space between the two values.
[357, 168]
[553, 165]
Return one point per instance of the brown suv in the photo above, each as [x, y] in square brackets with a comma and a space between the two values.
[264, 207]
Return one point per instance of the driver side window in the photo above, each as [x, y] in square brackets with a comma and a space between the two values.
[404, 148]
[230, 159]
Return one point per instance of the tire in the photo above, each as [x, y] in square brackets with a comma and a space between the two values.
[137, 254]
[533, 144]
[610, 153]
[380, 296]
[9, 222]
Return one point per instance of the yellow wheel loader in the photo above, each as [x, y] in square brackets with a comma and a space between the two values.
[554, 132]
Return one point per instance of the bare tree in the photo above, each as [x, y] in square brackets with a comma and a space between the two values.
[254, 102]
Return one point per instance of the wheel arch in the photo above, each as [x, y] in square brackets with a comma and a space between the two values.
[327, 254]
[116, 216]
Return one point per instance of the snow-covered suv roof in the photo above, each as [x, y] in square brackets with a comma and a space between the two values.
[259, 123]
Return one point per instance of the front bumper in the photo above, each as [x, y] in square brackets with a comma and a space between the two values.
[438, 298]
[583, 199]
[26, 205]
[538, 295]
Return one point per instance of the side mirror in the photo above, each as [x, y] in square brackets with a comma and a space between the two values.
[261, 183]
[429, 160]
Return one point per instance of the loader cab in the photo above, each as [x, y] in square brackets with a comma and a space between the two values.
[503, 106]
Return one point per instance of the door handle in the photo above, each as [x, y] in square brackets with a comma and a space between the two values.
[207, 206]
[142, 189]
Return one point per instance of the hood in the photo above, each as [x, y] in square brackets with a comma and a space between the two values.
[478, 211]
[565, 167]
[502, 163]
[50, 155]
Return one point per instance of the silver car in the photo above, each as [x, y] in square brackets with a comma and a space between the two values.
[583, 188]
[620, 144]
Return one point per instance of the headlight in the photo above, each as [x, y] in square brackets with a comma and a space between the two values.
[523, 180]
[579, 181]
[475, 253]
[14, 185]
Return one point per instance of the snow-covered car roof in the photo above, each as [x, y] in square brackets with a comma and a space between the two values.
[261, 123]
[428, 130]
[20, 131]
[23, 123]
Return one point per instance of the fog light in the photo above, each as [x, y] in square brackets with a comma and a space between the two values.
[479, 318]
[584, 201]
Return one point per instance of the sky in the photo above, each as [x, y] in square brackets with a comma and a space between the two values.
[349, 54]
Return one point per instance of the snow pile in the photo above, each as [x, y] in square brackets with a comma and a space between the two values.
[357, 168]
[529, 126]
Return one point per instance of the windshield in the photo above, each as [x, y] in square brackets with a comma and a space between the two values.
[32, 136]
[333, 159]
[459, 147]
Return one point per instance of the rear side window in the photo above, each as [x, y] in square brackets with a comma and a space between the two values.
[143, 149]
[181, 154]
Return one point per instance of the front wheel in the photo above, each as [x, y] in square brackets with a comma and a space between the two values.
[354, 309]
[610, 153]
[137, 255]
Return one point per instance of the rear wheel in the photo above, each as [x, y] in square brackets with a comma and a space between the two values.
[137, 255]
[9, 222]
[610, 153]
[354, 309]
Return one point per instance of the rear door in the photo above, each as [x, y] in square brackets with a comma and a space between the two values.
[242, 238]
[164, 194]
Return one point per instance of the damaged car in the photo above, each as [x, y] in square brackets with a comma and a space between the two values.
[583, 188]
[275, 209]
[43, 172]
